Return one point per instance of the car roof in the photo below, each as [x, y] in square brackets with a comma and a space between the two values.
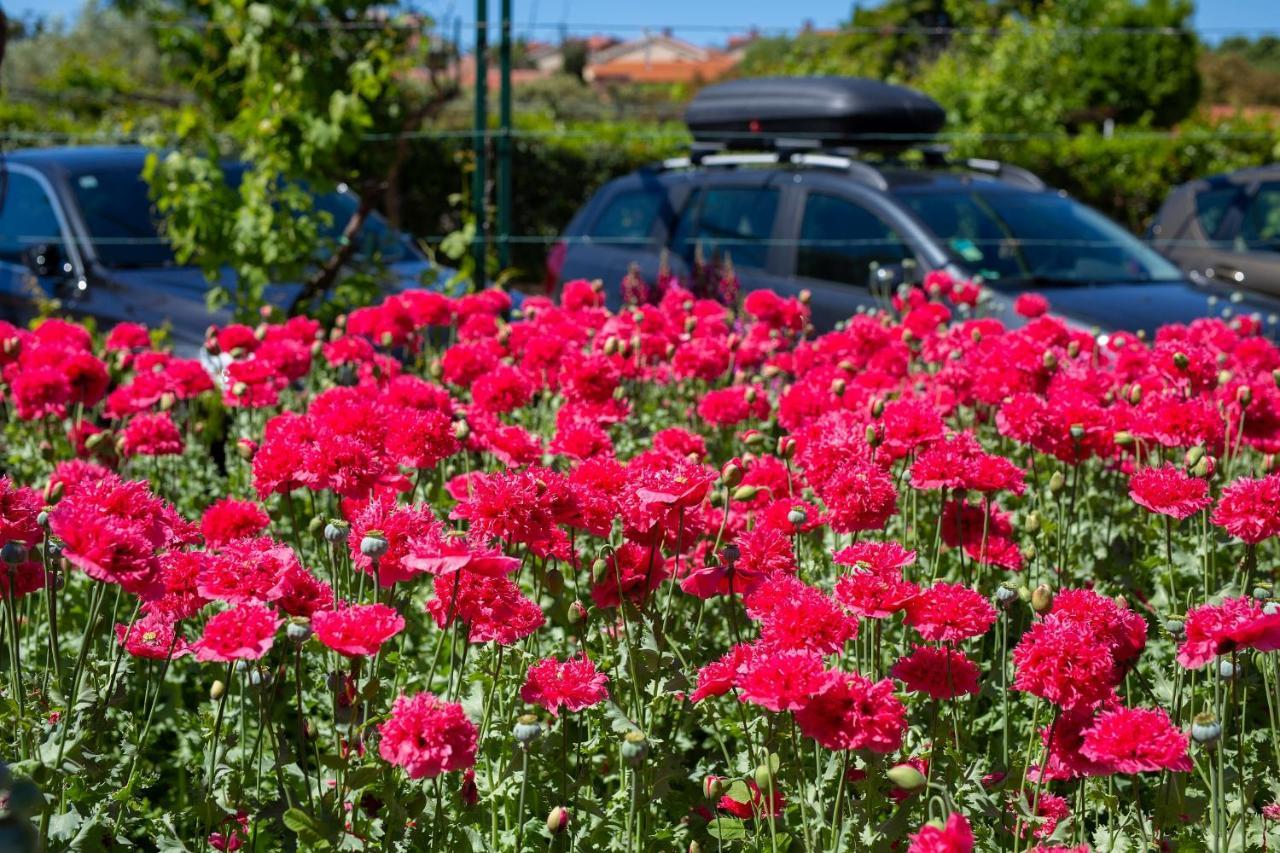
[80, 157]
[1240, 177]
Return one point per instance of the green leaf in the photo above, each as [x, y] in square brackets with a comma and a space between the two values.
[727, 829]
[307, 828]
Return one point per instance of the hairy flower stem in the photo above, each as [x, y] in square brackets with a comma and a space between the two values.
[15, 660]
[95, 609]
[524, 783]
[214, 742]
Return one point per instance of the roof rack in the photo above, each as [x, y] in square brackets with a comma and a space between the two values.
[841, 162]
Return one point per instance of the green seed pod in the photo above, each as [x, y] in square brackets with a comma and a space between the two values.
[336, 531]
[634, 748]
[374, 544]
[906, 778]
[599, 569]
[1041, 598]
[13, 553]
[1205, 729]
[527, 729]
[299, 630]
[1176, 628]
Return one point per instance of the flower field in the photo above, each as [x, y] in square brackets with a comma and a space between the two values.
[450, 577]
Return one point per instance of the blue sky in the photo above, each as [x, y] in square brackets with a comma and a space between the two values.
[701, 20]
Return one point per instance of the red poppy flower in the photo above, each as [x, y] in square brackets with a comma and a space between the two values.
[1168, 491]
[493, 608]
[152, 637]
[954, 836]
[228, 518]
[941, 672]
[760, 805]
[848, 711]
[1218, 629]
[427, 736]
[950, 612]
[1137, 740]
[573, 685]
[358, 629]
[245, 632]
[1249, 508]
[781, 680]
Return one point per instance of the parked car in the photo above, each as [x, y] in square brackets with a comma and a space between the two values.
[1225, 228]
[804, 183]
[77, 224]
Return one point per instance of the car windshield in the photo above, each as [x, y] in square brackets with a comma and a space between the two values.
[125, 229]
[1022, 237]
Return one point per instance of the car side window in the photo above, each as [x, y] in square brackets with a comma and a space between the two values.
[840, 240]
[1212, 206]
[732, 221]
[27, 216]
[1260, 230]
[628, 217]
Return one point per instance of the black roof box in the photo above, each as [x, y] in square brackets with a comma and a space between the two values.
[829, 112]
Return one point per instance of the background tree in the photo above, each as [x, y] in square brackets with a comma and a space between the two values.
[309, 94]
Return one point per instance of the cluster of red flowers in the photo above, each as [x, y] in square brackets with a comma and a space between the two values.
[528, 458]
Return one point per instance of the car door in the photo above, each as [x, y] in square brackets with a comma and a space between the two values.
[737, 217]
[1251, 255]
[30, 216]
[839, 240]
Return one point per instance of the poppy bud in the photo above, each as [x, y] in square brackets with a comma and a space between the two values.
[695, 847]
[731, 475]
[1073, 349]
[1275, 376]
[577, 613]
[461, 431]
[1180, 360]
[1057, 482]
[804, 296]
[872, 436]
[745, 493]
[1203, 468]
[13, 553]
[216, 691]
[877, 407]
[527, 729]
[1041, 598]
[1194, 455]
[713, 787]
[555, 582]
[53, 492]
[374, 544]
[599, 569]
[837, 387]
[771, 371]
[1244, 395]
[1123, 438]
[315, 525]
[557, 820]
[907, 337]
[238, 389]
[1205, 729]
[1135, 395]
[634, 748]
[906, 777]
[1032, 522]
[752, 395]
[1049, 360]
[749, 458]
[246, 449]
[786, 447]
[1029, 550]
[336, 531]
[764, 776]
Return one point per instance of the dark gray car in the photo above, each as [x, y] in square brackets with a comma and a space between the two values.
[1225, 228]
[823, 223]
[76, 224]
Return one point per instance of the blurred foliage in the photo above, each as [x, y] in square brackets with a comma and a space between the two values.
[1243, 72]
[291, 87]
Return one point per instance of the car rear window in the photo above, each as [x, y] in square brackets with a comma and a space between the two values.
[628, 217]
[1260, 231]
[729, 221]
[1211, 206]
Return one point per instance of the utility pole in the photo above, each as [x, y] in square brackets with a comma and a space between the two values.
[479, 249]
[504, 142]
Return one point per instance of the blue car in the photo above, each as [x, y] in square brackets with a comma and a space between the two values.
[78, 225]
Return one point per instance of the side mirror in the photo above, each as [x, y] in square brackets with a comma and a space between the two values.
[45, 260]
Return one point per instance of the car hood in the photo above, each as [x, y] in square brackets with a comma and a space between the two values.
[176, 296]
[1148, 305]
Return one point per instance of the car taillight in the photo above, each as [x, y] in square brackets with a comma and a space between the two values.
[555, 263]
